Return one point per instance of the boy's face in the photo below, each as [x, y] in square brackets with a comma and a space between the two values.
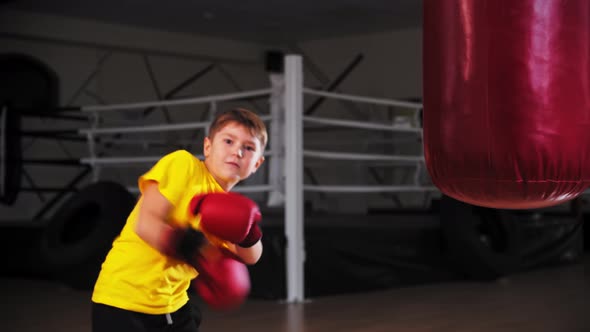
[232, 155]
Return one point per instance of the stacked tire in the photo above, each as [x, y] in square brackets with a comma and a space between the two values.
[81, 232]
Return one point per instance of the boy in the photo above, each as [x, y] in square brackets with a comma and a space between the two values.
[143, 282]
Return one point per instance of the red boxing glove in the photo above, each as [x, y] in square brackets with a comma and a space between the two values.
[229, 216]
[253, 236]
[223, 284]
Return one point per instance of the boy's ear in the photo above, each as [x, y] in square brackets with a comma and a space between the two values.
[206, 147]
[258, 163]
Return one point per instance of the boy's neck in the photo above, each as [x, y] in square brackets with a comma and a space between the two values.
[225, 186]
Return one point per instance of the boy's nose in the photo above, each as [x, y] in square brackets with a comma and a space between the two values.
[239, 152]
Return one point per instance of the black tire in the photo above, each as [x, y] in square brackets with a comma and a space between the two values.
[551, 239]
[28, 83]
[81, 232]
[481, 243]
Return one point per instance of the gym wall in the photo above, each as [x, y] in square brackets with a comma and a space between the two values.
[73, 48]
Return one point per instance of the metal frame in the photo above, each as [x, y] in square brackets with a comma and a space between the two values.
[294, 207]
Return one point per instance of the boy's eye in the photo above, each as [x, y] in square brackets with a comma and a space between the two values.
[250, 148]
[227, 140]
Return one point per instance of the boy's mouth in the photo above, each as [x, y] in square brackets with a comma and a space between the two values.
[234, 164]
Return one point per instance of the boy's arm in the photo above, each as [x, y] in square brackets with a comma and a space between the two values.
[249, 255]
[154, 229]
[153, 212]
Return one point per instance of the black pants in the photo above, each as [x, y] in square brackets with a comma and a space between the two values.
[110, 319]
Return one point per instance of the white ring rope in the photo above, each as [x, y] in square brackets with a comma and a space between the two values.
[120, 160]
[378, 101]
[145, 129]
[147, 141]
[241, 189]
[134, 160]
[91, 133]
[177, 102]
[361, 156]
[153, 128]
[363, 125]
[367, 189]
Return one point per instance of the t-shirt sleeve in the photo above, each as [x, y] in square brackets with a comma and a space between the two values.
[172, 173]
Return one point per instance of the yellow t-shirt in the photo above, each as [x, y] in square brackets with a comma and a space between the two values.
[134, 275]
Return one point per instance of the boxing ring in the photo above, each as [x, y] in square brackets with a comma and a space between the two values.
[286, 155]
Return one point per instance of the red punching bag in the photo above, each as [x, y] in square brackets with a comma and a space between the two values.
[507, 100]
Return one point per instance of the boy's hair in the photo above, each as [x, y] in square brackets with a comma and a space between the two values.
[244, 117]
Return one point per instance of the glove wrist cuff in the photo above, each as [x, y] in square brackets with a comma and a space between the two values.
[183, 244]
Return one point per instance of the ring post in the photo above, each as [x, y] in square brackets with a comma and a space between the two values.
[294, 178]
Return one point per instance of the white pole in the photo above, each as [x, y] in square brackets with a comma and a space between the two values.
[277, 143]
[294, 178]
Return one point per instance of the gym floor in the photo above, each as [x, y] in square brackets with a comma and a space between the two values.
[550, 299]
